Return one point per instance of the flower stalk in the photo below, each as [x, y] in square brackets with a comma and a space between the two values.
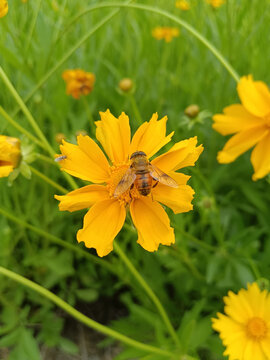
[149, 292]
[81, 317]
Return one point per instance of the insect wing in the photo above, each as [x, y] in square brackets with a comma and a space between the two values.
[160, 176]
[60, 158]
[126, 181]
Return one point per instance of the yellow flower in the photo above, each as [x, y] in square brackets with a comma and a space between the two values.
[216, 3]
[245, 329]
[166, 33]
[107, 212]
[251, 123]
[3, 8]
[78, 82]
[10, 154]
[183, 5]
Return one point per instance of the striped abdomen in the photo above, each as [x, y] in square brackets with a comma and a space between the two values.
[143, 182]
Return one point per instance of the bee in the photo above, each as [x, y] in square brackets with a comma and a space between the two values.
[142, 174]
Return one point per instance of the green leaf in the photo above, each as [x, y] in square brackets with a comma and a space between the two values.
[68, 346]
[88, 295]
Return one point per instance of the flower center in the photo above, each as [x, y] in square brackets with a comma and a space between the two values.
[117, 173]
[256, 328]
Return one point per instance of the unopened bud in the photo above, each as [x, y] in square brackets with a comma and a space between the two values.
[60, 137]
[192, 111]
[126, 85]
[81, 132]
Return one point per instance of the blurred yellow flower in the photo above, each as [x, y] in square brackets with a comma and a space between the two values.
[183, 5]
[10, 154]
[107, 211]
[3, 8]
[166, 33]
[251, 123]
[216, 3]
[245, 329]
[78, 82]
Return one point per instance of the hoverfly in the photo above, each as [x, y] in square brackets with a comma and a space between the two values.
[60, 158]
[141, 174]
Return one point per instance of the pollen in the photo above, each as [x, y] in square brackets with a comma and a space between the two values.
[117, 172]
[256, 328]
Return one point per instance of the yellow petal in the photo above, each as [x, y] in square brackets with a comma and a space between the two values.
[260, 158]
[178, 199]
[254, 95]
[182, 154]
[265, 344]
[152, 223]
[253, 351]
[114, 136]
[85, 160]
[180, 178]
[240, 143]
[3, 8]
[5, 170]
[101, 225]
[82, 198]
[150, 136]
[236, 118]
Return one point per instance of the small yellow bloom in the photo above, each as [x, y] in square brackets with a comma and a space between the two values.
[245, 329]
[251, 123]
[3, 8]
[216, 3]
[78, 82]
[10, 154]
[166, 33]
[107, 211]
[182, 5]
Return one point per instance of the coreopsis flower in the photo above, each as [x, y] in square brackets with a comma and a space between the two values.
[166, 33]
[215, 3]
[245, 329]
[10, 154]
[78, 82]
[250, 121]
[3, 8]
[182, 5]
[108, 206]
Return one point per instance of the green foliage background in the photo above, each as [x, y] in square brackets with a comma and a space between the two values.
[223, 244]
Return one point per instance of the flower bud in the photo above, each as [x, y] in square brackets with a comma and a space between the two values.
[192, 111]
[60, 137]
[126, 85]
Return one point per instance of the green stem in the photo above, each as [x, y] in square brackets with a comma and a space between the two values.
[31, 120]
[174, 18]
[48, 180]
[32, 27]
[81, 317]
[19, 127]
[195, 240]
[58, 241]
[26, 112]
[90, 116]
[70, 52]
[135, 109]
[46, 159]
[149, 291]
